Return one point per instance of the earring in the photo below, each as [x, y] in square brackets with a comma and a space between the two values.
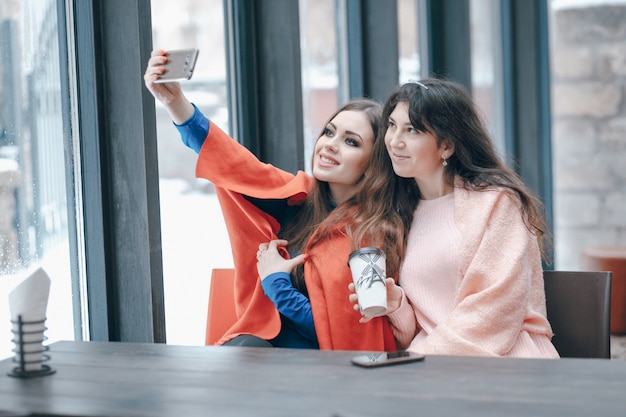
[444, 163]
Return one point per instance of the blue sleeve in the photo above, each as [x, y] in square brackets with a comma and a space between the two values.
[291, 303]
[194, 130]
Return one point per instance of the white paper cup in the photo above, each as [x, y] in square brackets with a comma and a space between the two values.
[368, 266]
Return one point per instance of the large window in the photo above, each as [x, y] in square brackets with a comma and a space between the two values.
[36, 149]
[194, 237]
[409, 32]
[320, 68]
[486, 63]
[41, 223]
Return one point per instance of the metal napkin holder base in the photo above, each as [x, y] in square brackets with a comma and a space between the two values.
[20, 370]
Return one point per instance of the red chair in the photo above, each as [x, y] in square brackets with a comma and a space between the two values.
[221, 311]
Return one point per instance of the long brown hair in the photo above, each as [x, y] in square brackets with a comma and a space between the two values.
[445, 109]
[318, 217]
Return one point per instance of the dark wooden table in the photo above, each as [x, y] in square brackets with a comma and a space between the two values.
[128, 379]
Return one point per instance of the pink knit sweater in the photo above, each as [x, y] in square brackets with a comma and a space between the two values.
[472, 280]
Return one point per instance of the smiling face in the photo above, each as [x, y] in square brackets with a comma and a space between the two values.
[416, 154]
[342, 153]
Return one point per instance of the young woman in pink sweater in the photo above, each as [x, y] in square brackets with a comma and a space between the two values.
[471, 282]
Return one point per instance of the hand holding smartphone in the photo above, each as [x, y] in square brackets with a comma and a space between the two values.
[372, 360]
[180, 65]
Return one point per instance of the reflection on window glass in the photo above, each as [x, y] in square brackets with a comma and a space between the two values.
[33, 203]
[486, 66]
[320, 72]
[408, 41]
[194, 236]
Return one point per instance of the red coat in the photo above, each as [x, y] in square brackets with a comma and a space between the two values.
[234, 171]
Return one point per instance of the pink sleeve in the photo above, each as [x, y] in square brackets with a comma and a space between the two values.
[501, 286]
[403, 322]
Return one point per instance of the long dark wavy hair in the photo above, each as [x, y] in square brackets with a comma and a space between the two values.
[446, 110]
[318, 218]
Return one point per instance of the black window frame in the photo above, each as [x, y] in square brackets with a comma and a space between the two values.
[117, 121]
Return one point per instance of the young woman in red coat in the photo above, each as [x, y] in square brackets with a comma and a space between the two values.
[302, 301]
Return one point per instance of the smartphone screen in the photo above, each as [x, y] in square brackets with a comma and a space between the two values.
[180, 65]
[371, 360]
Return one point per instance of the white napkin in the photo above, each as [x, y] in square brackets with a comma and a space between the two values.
[29, 300]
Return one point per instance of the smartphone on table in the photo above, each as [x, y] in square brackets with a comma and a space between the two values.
[180, 65]
[372, 360]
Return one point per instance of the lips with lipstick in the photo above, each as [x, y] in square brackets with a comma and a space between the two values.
[326, 160]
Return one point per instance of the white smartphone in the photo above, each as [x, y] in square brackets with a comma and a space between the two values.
[180, 65]
[372, 360]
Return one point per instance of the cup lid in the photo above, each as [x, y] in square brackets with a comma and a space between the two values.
[366, 250]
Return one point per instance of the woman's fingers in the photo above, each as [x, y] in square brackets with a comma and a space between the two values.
[157, 52]
[297, 260]
[155, 68]
[354, 299]
[276, 243]
[271, 245]
[273, 257]
[262, 249]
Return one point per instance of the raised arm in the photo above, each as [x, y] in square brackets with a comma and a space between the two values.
[169, 94]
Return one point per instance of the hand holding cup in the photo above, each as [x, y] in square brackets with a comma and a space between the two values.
[368, 267]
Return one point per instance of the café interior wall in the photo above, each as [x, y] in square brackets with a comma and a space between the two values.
[588, 87]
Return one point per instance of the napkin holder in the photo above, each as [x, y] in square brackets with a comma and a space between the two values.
[22, 341]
